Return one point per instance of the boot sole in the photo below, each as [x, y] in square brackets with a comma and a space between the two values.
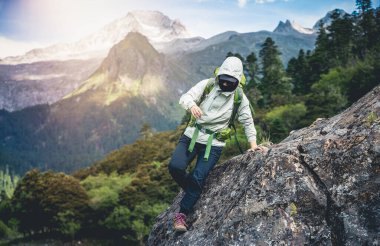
[180, 229]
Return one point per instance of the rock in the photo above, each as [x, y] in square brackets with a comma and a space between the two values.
[319, 186]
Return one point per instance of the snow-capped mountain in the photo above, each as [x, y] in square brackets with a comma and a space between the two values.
[295, 28]
[328, 18]
[157, 27]
[292, 28]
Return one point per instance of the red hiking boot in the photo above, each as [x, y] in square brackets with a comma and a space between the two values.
[180, 222]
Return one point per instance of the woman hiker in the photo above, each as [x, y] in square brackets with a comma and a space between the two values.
[202, 137]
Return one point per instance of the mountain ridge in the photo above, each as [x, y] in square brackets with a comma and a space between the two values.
[293, 28]
[161, 29]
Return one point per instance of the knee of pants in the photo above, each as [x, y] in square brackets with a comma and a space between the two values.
[174, 169]
[197, 184]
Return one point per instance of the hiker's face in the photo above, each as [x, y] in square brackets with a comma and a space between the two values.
[227, 82]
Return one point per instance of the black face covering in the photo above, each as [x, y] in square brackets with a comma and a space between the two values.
[231, 82]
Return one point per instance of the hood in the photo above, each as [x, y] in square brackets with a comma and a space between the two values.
[232, 66]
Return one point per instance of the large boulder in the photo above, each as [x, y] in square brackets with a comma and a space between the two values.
[319, 186]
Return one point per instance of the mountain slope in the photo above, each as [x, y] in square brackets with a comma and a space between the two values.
[132, 66]
[319, 186]
[132, 86]
[25, 85]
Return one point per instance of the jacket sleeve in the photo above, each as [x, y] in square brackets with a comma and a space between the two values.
[246, 119]
[193, 96]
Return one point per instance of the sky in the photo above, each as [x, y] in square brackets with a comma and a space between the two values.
[26, 24]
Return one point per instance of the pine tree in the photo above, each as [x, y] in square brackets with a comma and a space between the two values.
[275, 85]
[340, 39]
[366, 30]
[235, 54]
[319, 61]
[363, 5]
[298, 70]
[252, 68]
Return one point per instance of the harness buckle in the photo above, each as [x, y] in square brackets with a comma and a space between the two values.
[203, 130]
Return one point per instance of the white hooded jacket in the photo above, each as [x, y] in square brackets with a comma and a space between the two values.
[217, 105]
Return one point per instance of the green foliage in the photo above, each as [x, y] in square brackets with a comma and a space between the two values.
[124, 206]
[299, 71]
[367, 29]
[365, 76]
[281, 120]
[145, 214]
[5, 231]
[40, 197]
[119, 219]
[126, 159]
[231, 148]
[371, 118]
[235, 54]
[67, 223]
[8, 184]
[327, 96]
[146, 131]
[149, 181]
[340, 39]
[293, 209]
[103, 190]
[364, 5]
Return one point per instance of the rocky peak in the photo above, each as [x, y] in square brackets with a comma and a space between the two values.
[158, 26]
[131, 66]
[133, 57]
[319, 186]
[292, 28]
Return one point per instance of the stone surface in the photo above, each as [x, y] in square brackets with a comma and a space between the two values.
[319, 186]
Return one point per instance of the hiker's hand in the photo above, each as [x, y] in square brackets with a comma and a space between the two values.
[255, 147]
[196, 111]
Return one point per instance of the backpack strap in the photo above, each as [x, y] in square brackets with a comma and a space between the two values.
[192, 122]
[206, 91]
[238, 97]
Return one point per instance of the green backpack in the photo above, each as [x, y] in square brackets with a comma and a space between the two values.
[225, 133]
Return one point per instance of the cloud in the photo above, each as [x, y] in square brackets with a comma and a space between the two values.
[264, 1]
[242, 3]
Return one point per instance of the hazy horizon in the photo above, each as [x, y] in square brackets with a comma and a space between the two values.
[26, 24]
